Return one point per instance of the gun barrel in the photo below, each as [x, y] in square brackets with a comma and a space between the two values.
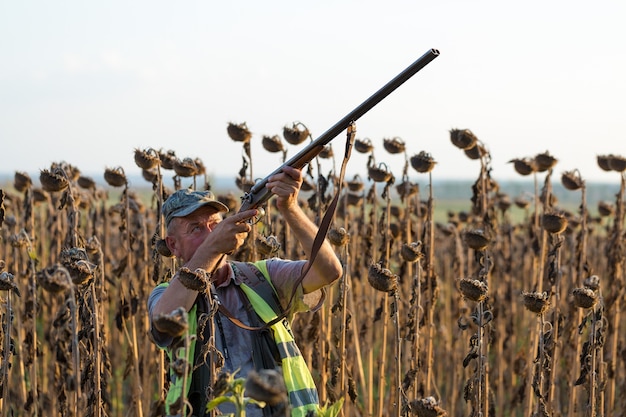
[253, 198]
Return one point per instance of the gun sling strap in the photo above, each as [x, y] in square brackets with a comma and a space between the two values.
[317, 242]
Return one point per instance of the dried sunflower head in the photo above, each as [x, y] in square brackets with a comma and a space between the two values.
[554, 222]
[115, 177]
[363, 145]
[326, 152]
[40, 195]
[382, 279]
[571, 180]
[266, 385]
[239, 132]
[167, 159]
[338, 236]
[150, 175]
[272, 144]
[379, 173]
[54, 279]
[463, 138]
[536, 302]
[603, 162]
[7, 283]
[407, 189]
[545, 161]
[162, 249]
[146, 159]
[53, 180]
[180, 367]
[295, 134]
[522, 202]
[396, 211]
[473, 289]
[82, 272]
[197, 280]
[174, 324]
[200, 168]
[307, 185]
[584, 297]
[76, 262]
[423, 162]
[503, 201]
[476, 239]
[524, 166]
[185, 167]
[22, 181]
[394, 145]
[394, 229]
[244, 184]
[617, 163]
[606, 208]
[356, 184]
[267, 245]
[427, 407]
[86, 183]
[411, 252]
[353, 199]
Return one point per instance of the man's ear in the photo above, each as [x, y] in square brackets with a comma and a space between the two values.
[171, 244]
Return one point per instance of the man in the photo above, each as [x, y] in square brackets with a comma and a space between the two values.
[200, 238]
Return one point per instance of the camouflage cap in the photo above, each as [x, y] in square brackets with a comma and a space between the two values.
[184, 202]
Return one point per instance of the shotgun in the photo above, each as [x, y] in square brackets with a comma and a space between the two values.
[259, 194]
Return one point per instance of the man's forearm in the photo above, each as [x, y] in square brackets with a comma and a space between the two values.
[175, 295]
[326, 267]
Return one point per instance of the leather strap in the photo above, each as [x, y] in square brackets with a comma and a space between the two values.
[317, 242]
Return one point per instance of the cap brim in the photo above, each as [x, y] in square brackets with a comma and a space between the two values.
[190, 209]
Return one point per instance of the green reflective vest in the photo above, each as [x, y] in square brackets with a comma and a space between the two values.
[300, 386]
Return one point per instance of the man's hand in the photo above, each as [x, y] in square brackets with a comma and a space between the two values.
[285, 186]
[326, 267]
[229, 234]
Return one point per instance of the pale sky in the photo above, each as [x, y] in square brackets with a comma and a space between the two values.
[88, 82]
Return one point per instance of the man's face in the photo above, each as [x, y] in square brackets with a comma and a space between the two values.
[185, 234]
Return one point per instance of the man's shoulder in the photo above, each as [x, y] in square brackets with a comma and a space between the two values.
[159, 288]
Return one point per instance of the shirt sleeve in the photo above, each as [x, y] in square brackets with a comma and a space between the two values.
[284, 274]
[162, 340]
